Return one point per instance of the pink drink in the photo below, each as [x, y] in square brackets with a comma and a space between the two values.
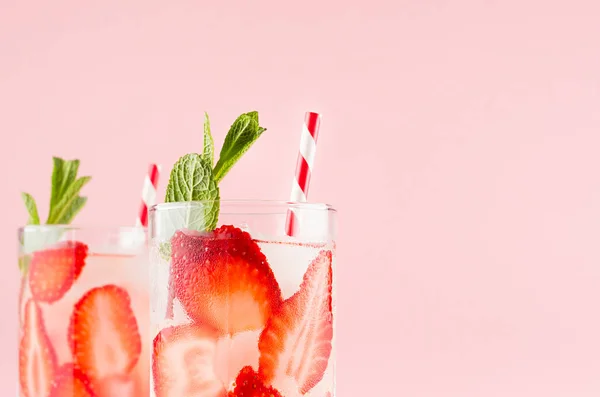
[238, 314]
[86, 334]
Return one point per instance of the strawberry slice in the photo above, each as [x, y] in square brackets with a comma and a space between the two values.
[103, 333]
[37, 359]
[115, 386]
[183, 362]
[296, 341]
[71, 382]
[22, 291]
[53, 271]
[249, 384]
[223, 279]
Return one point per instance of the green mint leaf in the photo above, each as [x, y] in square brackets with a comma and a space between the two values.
[64, 174]
[242, 134]
[34, 217]
[68, 201]
[192, 180]
[57, 180]
[209, 144]
[253, 115]
[72, 211]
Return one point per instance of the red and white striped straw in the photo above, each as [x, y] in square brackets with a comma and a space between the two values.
[304, 166]
[148, 194]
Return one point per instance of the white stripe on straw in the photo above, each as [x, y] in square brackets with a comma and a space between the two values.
[148, 194]
[306, 159]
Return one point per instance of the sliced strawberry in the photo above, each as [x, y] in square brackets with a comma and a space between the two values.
[183, 362]
[249, 384]
[296, 341]
[234, 353]
[104, 333]
[21, 298]
[115, 386]
[53, 271]
[37, 359]
[223, 279]
[71, 382]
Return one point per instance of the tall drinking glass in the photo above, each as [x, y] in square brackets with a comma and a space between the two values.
[83, 312]
[243, 310]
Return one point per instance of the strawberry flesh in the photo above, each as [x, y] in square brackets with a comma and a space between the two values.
[183, 362]
[37, 358]
[296, 341]
[71, 382]
[223, 279]
[53, 271]
[115, 386]
[249, 384]
[103, 333]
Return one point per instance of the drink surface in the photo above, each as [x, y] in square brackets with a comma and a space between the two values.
[230, 310]
[228, 313]
[93, 334]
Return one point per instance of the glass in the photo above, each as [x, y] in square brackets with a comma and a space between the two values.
[245, 308]
[83, 312]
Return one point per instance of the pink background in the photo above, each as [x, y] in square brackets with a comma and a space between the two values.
[460, 142]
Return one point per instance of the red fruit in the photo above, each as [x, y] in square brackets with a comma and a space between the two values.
[183, 362]
[21, 297]
[37, 359]
[53, 271]
[115, 386]
[71, 382]
[223, 279]
[296, 341]
[104, 333]
[249, 384]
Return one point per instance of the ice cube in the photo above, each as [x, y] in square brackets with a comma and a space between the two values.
[132, 239]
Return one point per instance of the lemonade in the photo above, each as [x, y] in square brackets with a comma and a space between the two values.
[84, 314]
[233, 315]
[241, 304]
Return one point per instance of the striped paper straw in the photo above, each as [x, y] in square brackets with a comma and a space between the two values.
[148, 194]
[304, 166]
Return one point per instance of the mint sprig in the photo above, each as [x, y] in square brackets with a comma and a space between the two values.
[194, 179]
[65, 201]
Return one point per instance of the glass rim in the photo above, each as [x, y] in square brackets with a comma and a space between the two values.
[76, 227]
[231, 203]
